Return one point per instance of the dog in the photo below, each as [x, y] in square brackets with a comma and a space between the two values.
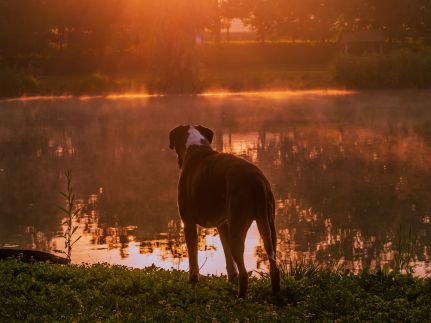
[224, 191]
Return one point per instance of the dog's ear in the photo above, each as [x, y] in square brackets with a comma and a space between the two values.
[207, 133]
[175, 134]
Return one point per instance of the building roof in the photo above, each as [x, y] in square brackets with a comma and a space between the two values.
[362, 36]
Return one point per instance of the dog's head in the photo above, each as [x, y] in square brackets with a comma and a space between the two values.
[182, 137]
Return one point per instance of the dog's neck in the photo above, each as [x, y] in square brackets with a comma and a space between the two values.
[195, 142]
[195, 152]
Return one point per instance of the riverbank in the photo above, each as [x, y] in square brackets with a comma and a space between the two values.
[47, 292]
[235, 80]
[221, 67]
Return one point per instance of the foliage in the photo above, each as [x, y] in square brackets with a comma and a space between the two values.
[46, 292]
[404, 69]
[404, 254]
[161, 41]
[299, 269]
[71, 212]
[33, 29]
[15, 82]
[95, 83]
[175, 67]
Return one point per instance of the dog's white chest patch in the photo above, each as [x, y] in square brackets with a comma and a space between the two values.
[195, 138]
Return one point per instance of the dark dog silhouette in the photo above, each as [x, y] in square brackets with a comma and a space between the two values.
[224, 191]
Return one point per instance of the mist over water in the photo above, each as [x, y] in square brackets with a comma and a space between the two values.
[349, 171]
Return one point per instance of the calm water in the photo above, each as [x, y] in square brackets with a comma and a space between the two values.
[349, 172]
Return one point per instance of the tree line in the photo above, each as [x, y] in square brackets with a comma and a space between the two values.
[162, 38]
[37, 26]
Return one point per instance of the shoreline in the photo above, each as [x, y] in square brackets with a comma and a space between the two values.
[102, 85]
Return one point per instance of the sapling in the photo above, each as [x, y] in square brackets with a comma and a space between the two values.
[71, 212]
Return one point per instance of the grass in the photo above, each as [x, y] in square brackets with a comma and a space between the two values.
[228, 67]
[47, 292]
[240, 79]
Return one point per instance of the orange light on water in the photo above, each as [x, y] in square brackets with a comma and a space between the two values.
[130, 96]
[281, 94]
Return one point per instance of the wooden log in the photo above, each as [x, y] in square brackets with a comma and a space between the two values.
[31, 256]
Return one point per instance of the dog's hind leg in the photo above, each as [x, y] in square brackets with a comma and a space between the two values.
[232, 272]
[237, 233]
[266, 228]
[191, 234]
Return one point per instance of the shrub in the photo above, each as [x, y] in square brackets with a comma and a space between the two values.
[402, 69]
[16, 82]
[95, 83]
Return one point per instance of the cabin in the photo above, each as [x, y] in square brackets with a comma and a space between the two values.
[362, 42]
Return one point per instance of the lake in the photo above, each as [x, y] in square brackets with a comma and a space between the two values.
[351, 174]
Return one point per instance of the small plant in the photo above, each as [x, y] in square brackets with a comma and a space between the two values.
[404, 253]
[299, 268]
[71, 213]
[337, 265]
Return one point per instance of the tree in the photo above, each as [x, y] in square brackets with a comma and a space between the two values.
[231, 9]
[264, 17]
[23, 29]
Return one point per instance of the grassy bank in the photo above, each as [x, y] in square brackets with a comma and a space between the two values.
[221, 67]
[240, 66]
[235, 79]
[46, 292]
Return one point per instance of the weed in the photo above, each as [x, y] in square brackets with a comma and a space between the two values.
[71, 213]
[299, 268]
[404, 253]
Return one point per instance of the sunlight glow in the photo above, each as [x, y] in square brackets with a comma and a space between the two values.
[221, 94]
[282, 94]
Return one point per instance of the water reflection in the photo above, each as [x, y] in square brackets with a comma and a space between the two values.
[347, 171]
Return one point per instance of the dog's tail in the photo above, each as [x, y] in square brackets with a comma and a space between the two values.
[265, 223]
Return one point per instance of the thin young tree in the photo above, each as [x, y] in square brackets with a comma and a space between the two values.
[71, 212]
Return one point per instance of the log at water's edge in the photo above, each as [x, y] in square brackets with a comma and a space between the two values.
[31, 255]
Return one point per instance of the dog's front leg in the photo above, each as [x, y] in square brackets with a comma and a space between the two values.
[192, 248]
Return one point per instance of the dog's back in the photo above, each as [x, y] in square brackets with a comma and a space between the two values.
[210, 179]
